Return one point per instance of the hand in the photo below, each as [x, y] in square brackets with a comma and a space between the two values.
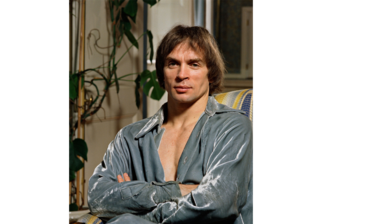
[126, 178]
[187, 188]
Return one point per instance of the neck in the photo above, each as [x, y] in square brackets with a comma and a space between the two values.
[181, 114]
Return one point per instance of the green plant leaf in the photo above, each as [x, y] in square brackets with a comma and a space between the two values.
[78, 164]
[131, 8]
[75, 164]
[125, 21]
[145, 75]
[149, 80]
[131, 38]
[150, 38]
[133, 18]
[73, 85]
[71, 154]
[72, 175]
[150, 2]
[137, 94]
[71, 89]
[157, 91]
[80, 148]
[146, 88]
[75, 78]
[73, 207]
[116, 3]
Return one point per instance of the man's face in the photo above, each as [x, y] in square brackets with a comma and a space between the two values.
[186, 75]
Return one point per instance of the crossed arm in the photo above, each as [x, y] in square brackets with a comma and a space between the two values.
[185, 188]
[220, 195]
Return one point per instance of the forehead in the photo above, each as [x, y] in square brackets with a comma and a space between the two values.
[185, 50]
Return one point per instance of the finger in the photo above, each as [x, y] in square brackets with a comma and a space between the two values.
[126, 177]
[120, 179]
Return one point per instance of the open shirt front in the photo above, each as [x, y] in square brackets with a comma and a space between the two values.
[217, 156]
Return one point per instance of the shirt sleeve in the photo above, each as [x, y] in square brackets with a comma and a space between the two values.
[223, 190]
[108, 198]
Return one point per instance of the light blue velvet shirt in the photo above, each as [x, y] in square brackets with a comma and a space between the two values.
[218, 156]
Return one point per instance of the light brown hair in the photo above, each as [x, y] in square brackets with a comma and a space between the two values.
[200, 40]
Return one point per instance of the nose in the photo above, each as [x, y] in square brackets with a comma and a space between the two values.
[183, 72]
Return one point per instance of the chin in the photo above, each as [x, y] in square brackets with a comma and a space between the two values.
[181, 98]
[186, 98]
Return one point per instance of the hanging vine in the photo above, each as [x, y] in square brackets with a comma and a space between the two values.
[121, 13]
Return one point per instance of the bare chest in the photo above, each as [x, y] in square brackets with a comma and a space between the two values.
[170, 150]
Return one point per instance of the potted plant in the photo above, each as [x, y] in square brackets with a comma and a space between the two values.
[120, 13]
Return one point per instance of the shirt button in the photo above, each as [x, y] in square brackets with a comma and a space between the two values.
[185, 160]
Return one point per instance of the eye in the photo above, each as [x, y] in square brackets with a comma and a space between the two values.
[195, 65]
[172, 63]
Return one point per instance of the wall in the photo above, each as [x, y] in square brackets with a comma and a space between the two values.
[119, 109]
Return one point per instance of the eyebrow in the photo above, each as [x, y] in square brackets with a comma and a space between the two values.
[170, 59]
[196, 60]
[193, 60]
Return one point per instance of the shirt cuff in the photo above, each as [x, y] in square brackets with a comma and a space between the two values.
[166, 191]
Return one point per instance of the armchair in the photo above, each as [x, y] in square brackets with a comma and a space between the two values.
[238, 99]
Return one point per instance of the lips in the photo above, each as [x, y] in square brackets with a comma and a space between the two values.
[182, 89]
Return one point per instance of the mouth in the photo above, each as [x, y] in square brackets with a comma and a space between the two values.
[181, 88]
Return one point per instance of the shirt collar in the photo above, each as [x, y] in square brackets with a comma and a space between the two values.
[212, 108]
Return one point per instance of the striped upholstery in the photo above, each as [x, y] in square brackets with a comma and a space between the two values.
[89, 219]
[243, 100]
[239, 99]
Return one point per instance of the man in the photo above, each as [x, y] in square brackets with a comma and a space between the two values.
[189, 163]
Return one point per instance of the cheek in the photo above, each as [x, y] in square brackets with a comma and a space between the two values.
[167, 80]
[203, 78]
